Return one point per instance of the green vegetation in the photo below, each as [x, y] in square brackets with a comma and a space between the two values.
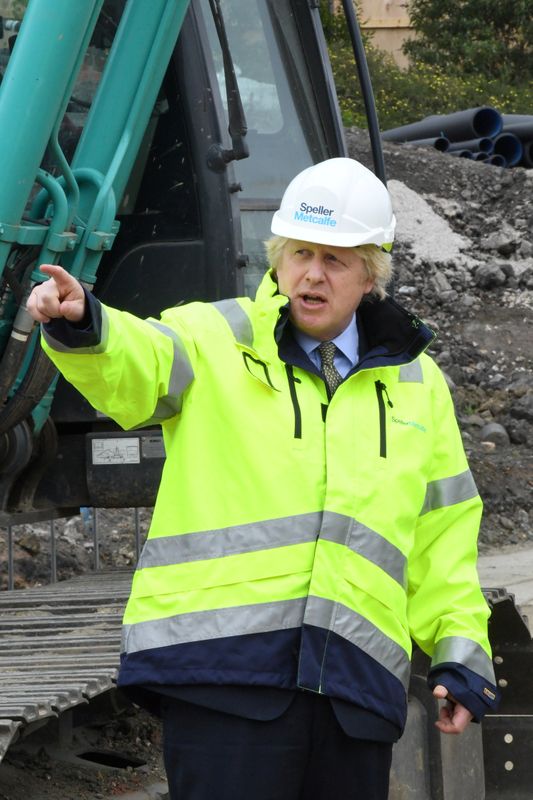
[428, 86]
[493, 38]
[13, 8]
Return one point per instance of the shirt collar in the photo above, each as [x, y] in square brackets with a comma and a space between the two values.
[347, 341]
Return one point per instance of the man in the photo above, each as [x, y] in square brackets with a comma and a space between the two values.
[316, 510]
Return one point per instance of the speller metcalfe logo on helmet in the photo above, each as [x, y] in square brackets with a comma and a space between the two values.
[318, 215]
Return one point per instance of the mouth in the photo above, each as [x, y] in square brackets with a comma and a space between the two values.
[312, 299]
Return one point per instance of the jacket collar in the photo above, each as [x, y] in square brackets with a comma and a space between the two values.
[388, 333]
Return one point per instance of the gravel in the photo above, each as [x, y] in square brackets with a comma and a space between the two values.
[464, 263]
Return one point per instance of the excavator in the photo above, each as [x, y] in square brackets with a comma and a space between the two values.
[145, 145]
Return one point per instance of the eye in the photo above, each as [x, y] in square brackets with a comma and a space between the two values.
[330, 258]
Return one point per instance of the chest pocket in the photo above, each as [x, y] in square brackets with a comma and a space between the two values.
[257, 368]
[241, 327]
[392, 415]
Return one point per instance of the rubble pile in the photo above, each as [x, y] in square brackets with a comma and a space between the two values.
[464, 263]
[80, 546]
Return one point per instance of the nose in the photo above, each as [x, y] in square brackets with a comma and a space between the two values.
[315, 269]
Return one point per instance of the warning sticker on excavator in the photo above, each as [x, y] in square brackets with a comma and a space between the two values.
[116, 451]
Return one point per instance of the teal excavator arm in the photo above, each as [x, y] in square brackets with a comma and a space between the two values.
[72, 219]
[119, 134]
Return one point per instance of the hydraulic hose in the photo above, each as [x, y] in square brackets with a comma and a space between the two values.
[33, 386]
[15, 279]
[366, 87]
[11, 361]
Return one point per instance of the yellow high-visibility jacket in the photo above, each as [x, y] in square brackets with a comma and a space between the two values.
[294, 542]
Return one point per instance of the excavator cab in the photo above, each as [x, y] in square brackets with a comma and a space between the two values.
[152, 142]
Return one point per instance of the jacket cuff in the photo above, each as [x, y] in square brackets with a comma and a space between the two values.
[73, 335]
[471, 690]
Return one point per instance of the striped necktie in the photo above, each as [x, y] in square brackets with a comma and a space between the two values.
[331, 375]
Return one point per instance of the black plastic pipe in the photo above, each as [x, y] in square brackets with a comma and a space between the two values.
[461, 153]
[469, 124]
[483, 145]
[524, 130]
[527, 155]
[440, 143]
[496, 159]
[514, 119]
[510, 147]
[521, 125]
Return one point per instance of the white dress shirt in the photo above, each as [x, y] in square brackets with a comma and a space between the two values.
[347, 344]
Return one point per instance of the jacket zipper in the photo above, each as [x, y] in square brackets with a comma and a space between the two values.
[381, 390]
[294, 398]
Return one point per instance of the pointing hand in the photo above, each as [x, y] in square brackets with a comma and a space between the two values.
[60, 296]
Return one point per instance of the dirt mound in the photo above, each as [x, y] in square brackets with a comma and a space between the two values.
[115, 752]
[464, 263]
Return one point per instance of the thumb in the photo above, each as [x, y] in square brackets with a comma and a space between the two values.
[440, 692]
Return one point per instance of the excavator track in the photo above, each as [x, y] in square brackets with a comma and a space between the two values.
[59, 647]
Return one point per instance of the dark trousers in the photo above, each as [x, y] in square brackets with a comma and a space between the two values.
[302, 755]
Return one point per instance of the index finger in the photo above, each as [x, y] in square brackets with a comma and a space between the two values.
[60, 275]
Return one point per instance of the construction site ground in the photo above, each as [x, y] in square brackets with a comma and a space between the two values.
[464, 262]
[126, 742]
[40, 768]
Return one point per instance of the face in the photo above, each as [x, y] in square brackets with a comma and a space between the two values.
[324, 285]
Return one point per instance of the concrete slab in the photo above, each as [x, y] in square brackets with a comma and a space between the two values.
[511, 569]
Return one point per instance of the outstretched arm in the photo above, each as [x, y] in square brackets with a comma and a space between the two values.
[134, 371]
[60, 296]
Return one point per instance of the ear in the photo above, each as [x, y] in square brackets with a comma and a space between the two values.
[369, 286]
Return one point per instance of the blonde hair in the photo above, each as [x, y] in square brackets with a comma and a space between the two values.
[377, 262]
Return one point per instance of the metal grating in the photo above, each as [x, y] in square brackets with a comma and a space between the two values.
[59, 647]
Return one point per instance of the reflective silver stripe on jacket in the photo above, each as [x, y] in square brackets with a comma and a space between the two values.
[238, 539]
[367, 543]
[281, 532]
[59, 347]
[448, 491]
[360, 632]
[459, 650]
[181, 376]
[215, 624]
[237, 319]
[411, 373]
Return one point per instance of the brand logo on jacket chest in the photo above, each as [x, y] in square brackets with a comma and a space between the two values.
[409, 422]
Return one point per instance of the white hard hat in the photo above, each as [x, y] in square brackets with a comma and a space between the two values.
[337, 202]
